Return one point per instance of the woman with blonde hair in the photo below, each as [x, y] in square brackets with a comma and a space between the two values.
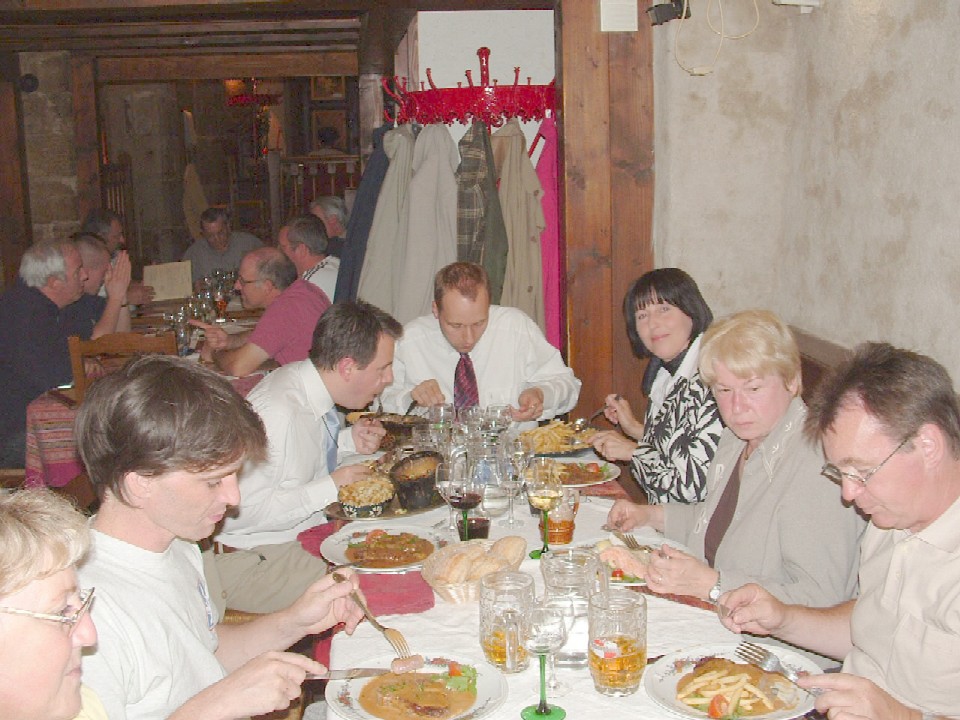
[44, 623]
[769, 516]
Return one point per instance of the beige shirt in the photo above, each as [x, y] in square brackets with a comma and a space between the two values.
[906, 623]
[90, 706]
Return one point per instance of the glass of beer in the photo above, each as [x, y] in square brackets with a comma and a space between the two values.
[618, 641]
[505, 601]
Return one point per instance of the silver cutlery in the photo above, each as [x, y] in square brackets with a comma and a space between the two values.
[394, 637]
[348, 674]
[769, 662]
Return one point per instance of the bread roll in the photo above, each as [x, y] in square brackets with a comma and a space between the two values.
[455, 569]
[512, 549]
[486, 565]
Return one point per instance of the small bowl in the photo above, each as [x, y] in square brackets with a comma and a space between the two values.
[414, 480]
[365, 511]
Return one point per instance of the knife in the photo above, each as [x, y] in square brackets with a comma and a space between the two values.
[348, 674]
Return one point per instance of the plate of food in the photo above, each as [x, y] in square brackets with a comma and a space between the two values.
[392, 548]
[627, 567]
[558, 438]
[710, 681]
[444, 688]
[586, 474]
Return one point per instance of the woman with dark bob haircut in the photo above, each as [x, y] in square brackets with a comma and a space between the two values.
[670, 450]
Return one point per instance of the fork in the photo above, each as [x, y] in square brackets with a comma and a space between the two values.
[394, 637]
[769, 662]
[629, 540]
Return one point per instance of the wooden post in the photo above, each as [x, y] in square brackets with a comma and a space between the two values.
[86, 129]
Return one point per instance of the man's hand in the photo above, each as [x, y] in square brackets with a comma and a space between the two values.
[116, 281]
[268, 682]
[138, 293]
[428, 393]
[326, 603]
[751, 609]
[348, 474]
[849, 697]
[214, 339]
[673, 571]
[626, 515]
[367, 435]
[613, 446]
[529, 405]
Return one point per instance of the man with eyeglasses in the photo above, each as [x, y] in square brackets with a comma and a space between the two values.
[889, 421]
[267, 279]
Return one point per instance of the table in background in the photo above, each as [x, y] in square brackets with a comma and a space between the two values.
[453, 629]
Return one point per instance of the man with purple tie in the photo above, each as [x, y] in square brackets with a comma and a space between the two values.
[470, 352]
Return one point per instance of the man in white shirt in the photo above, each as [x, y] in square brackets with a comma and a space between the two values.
[889, 420]
[509, 357]
[163, 440]
[261, 565]
[304, 241]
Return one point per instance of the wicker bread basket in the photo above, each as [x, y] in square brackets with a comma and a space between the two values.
[468, 590]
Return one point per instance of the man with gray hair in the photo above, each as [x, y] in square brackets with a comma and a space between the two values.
[267, 279]
[105, 314]
[107, 226]
[332, 210]
[33, 336]
[304, 241]
[220, 248]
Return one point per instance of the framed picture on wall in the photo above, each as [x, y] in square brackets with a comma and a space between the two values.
[327, 88]
[329, 130]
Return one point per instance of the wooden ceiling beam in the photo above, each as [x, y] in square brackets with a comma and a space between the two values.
[178, 27]
[220, 67]
[338, 47]
[231, 43]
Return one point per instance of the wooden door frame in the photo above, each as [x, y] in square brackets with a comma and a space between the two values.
[16, 231]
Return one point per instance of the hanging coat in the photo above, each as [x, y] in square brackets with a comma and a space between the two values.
[520, 194]
[361, 219]
[547, 171]
[431, 238]
[481, 235]
[389, 222]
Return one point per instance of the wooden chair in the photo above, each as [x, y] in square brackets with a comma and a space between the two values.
[116, 347]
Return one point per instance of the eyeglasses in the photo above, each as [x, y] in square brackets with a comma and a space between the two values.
[832, 472]
[71, 620]
[243, 281]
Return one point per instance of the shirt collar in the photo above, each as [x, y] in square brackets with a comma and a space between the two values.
[318, 397]
[944, 532]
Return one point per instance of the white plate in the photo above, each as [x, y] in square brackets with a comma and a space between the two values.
[660, 679]
[655, 543]
[342, 696]
[334, 548]
[608, 472]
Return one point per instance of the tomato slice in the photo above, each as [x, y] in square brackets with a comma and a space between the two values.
[373, 534]
[592, 467]
[453, 669]
[617, 573]
[719, 707]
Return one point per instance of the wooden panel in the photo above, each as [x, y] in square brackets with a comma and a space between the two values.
[14, 214]
[218, 67]
[85, 125]
[606, 151]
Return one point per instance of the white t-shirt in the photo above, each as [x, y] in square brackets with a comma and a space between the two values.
[156, 628]
[324, 275]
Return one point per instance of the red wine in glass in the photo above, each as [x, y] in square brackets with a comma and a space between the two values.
[464, 500]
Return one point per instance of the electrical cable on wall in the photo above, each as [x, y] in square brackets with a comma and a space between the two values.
[701, 70]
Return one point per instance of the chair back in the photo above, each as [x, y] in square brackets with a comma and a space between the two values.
[115, 349]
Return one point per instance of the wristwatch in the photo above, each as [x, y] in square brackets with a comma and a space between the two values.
[714, 593]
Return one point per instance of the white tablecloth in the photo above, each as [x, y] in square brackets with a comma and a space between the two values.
[454, 629]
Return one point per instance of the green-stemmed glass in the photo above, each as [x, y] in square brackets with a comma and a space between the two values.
[544, 491]
[546, 633]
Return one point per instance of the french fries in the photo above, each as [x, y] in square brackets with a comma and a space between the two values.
[554, 437]
[747, 690]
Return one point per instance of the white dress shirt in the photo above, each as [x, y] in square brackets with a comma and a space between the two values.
[286, 493]
[511, 356]
[324, 275]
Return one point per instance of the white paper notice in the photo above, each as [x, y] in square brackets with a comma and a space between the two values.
[618, 15]
[170, 281]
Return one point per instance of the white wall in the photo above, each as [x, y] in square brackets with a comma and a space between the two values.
[448, 44]
[817, 171]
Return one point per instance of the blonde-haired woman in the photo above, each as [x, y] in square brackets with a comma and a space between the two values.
[769, 516]
[44, 623]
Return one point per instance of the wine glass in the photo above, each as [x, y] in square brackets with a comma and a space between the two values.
[515, 456]
[546, 633]
[446, 479]
[498, 418]
[567, 609]
[463, 493]
[545, 492]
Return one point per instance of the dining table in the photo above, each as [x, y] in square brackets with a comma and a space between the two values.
[452, 629]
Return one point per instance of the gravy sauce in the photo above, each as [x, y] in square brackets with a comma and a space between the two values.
[414, 696]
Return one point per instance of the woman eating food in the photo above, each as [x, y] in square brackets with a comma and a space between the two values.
[769, 516]
[44, 623]
[670, 450]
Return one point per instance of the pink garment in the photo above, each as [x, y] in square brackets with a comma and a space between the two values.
[285, 331]
[550, 250]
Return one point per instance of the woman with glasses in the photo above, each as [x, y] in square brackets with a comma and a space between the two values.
[44, 623]
[670, 450]
[770, 517]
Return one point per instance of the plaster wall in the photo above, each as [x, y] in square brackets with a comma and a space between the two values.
[814, 172]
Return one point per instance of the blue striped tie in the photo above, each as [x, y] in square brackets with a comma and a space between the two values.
[331, 419]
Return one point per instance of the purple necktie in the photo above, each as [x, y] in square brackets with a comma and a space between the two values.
[465, 393]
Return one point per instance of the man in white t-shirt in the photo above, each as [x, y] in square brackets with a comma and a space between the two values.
[162, 440]
[304, 241]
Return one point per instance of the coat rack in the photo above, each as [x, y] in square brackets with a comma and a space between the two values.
[493, 104]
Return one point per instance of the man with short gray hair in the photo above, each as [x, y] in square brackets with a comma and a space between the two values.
[267, 279]
[304, 241]
[33, 336]
[332, 211]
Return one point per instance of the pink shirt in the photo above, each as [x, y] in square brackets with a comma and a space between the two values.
[285, 331]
